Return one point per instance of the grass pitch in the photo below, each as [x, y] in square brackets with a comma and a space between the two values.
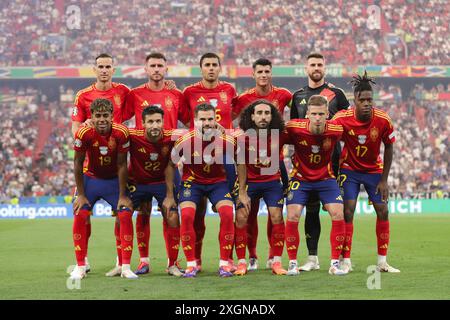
[35, 255]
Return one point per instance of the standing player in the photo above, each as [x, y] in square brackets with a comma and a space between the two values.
[221, 96]
[203, 175]
[106, 145]
[103, 88]
[149, 155]
[157, 93]
[365, 127]
[314, 139]
[315, 70]
[261, 125]
[279, 97]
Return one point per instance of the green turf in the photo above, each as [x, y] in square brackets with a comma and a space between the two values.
[36, 253]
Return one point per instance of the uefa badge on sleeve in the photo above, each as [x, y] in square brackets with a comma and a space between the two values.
[77, 143]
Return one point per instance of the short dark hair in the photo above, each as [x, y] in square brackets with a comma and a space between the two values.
[246, 122]
[155, 55]
[315, 55]
[209, 55]
[103, 55]
[148, 111]
[203, 107]
[362, 83]
[101, 105]
[262, 62]
[317, 100]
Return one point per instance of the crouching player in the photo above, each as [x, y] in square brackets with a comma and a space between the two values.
[260, 151]
[314, 139]
[203, 150]
[150, 152]
[106, 145]
[365, 127]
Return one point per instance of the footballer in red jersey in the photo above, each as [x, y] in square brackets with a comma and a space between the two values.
[106, 145]
[103, 88]
[314, 139]
[203, 152]
[221, 96]
[259, 148]
[156, 93]
[150, 150]
[280, 98]
[365, 128]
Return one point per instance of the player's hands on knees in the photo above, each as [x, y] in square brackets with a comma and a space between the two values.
[170, 84]
[245, 201]
[88, 123]
[124, 201]
[383, 189]
[169, 204]
[79, 202]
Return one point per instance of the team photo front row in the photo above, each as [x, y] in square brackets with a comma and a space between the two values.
[232, 168]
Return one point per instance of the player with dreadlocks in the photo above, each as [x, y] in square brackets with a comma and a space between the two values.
[365, 127]
[258, 140]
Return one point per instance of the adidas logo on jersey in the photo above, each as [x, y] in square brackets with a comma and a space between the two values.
[145, 104]
[351, 132]
[304, 143]
[303, 101]
[201, 99]
[142, 150]
[339, 198]
[228, 247]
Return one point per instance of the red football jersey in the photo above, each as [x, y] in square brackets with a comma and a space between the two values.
[199, 163]
[258, 155]
[171, 101]
[221, 97]
[363, 139]
[102, 150]
[312, 157]
[279, 97]
[117, 95]
[148, 160]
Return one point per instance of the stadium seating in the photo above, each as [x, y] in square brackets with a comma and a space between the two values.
[42, 33]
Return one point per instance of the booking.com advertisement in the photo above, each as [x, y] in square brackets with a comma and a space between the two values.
[102, 209]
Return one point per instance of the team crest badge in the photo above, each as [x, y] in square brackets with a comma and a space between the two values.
[213, 102]
[117, 100]
[223, 97]
[362, 138]
[153, 156]
[315, 148]
[112, 143]
[75, 111]
[374, 134]
[187, 193]
[103, 150]
[327, 144]
[168, 103]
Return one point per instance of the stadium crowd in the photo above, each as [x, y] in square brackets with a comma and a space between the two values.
[420, 161]
[47, 33]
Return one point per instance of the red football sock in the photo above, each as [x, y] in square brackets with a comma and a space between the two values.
[240, 241]
[252, 229]
[348, 240]
[226, 234]
[126, 234]
[118, 242]
[173, 241]
[187, 233]
[269, 235]
[382, 229]
[277, 239]
[79, 232]
[88, 233]
[200, 228]
[337, 236]
[292, 239]
[166, 236]
[143, 234]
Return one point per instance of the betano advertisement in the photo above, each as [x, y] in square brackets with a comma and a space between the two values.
[102, 209]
